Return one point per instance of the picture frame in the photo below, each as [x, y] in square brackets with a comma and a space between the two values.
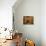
[28, 19]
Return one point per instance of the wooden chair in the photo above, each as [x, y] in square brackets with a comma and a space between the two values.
[18, 39]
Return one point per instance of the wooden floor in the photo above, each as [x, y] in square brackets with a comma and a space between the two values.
[9, 43]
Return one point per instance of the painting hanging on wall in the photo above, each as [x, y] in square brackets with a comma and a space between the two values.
[28, 19]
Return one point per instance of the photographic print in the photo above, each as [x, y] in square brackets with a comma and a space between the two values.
[28, 19]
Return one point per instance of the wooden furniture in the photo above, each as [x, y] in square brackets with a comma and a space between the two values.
[18, 39]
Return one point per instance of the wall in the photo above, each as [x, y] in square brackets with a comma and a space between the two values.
[43, 22]
[6, 17]
[29, 8]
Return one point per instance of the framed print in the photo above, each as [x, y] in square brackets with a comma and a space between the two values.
[28, 19]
